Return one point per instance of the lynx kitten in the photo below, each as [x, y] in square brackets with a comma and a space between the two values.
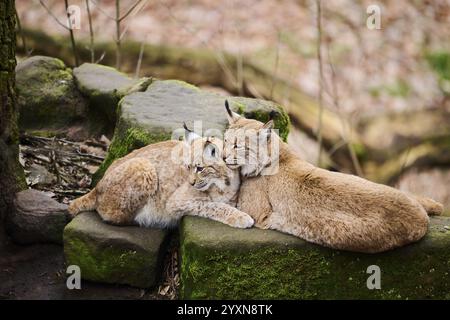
[148, 188]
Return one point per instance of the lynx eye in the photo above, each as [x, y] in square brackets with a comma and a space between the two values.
[200, 169]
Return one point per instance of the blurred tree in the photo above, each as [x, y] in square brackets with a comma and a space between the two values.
[11, 173]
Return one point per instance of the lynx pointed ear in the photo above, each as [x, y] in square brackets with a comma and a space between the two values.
[269, 125]
[266, 130]
[211, 150]
[189, 135]
[232, 116]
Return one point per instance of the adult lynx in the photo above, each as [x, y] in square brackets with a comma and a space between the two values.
[337, 210]
[147, 188]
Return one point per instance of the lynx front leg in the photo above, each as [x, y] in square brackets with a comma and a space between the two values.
[213, 210]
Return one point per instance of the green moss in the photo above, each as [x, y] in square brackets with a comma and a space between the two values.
[127, 139]
[281, 118]
[399, 88]
[258, 274]
[440, 63]
[360, 151]
[287, 269]
[19, 176]
[111, 264]
[47, 95]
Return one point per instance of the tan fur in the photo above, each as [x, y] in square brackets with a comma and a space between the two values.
[148, 188]
[337, 210]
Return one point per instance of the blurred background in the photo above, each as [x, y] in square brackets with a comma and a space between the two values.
[368, 101]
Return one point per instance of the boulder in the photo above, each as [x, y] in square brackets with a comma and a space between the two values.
[37, 218]
[104, 86]
[47, 95]
[220, 262]
[114, 254]
[153, 115]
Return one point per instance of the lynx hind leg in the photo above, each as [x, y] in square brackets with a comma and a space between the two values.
[125, 190]
[433, 208]
[274, 221]
[84, 203]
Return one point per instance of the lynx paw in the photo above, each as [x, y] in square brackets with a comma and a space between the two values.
[72, 210]
[242, 221]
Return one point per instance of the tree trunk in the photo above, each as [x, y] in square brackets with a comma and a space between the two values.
[11, 173]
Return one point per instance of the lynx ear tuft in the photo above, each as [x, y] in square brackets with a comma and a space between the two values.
[232, 116]
[189, 135]
[265, 131]
[273, 114]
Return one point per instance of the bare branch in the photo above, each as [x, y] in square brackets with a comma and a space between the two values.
[53, 16]
[130, 10]
[218, 55]
[320, 63]
[72, 37]
[91, 32]
[139, 62]
[101, 57]
[102, 11]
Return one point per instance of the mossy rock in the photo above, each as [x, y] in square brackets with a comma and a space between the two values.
[386, 135]
[220, 262]
[104, 86]
[114, 254]
[157, 113]
[47, 95]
